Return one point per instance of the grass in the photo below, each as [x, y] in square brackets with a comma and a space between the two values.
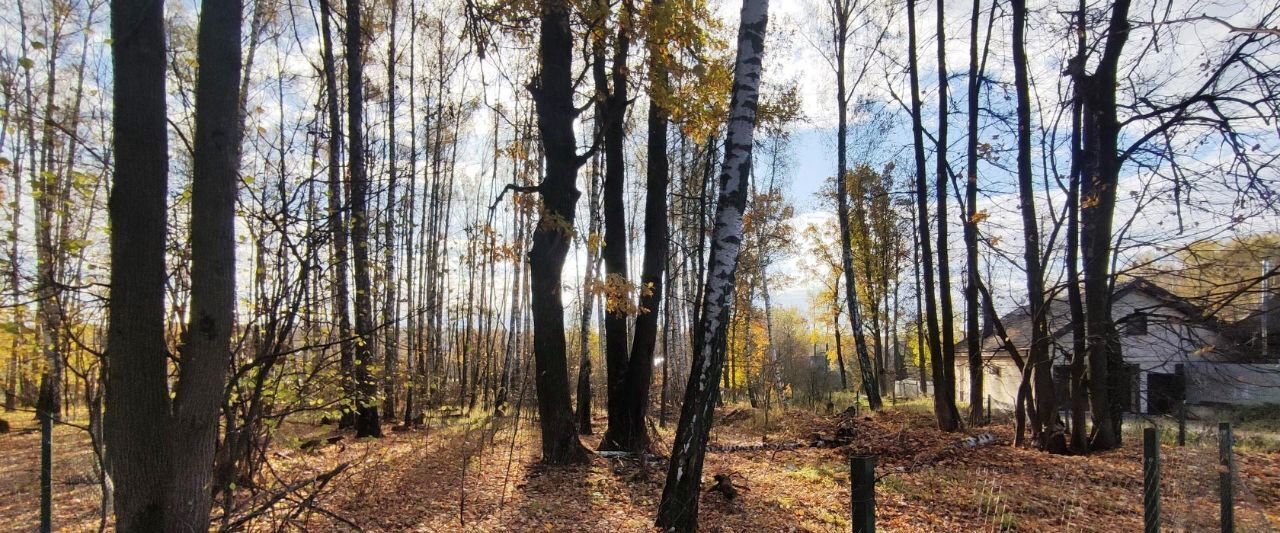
[1255, 428]
[1256, 417]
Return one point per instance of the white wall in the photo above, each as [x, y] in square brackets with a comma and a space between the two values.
[1237, 384]
[1167, 343]
[1000, 380]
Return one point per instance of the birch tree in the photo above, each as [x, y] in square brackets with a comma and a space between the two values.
[678, 510]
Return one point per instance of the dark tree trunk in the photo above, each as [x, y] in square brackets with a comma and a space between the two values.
[844, 377]
[678, 510]
[206, 355]
[615, 228]
[1100, 171]
[1039, 361]
[945, 389]
[870, 385]
[137, 398]
[973, 331]
[337, 218]
[1079, 342]
[366, 421]
[943, 397]
[553, 95]
[921, 343]
[632, 433]
[390, 342]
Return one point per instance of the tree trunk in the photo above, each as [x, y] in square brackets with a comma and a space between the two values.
[1079, 341]
[583, 410]
[390, 303]
[45, 185]
[12, 381]
[207, 353]
[921, 344]
[835, 326]
[946, 389]
[679, 508]
[137, 398]
[553, 95]
[615, 228]
[973, 328]
[337, 218]
[632, 433]
[1039, 361]
[943, 396]
[1100, 167]
[870, 385]
[366, 422]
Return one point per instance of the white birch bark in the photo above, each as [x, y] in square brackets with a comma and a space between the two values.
[679, 508]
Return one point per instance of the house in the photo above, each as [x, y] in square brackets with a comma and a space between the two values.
[1173, 351]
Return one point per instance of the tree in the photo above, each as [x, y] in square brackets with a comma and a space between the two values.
[841, 11]
[973, 329]
[946, 387]
[366, 421]
[206, 355]
[162, 459]
[1165, 118]
[633, 434]
[1100, 162]
[589, 296]
[617, 293]
[828, 268]
[390, 302]
[679, 507]
[137, 401]
[944, 407]
[765, 222]
[337, 216]
[876, 248]
[552, 91]
[1039, 364]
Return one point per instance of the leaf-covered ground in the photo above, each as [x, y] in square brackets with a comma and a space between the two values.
[471, 475]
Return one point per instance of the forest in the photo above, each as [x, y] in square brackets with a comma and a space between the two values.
[581, 265]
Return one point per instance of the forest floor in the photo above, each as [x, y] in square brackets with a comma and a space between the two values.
[472, 475]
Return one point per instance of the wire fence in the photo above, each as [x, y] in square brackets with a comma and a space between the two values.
[1176, 489]
[1202, 486]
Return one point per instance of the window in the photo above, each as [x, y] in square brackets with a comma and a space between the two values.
[1062, 386]
[1132, 396]
[1135, 324]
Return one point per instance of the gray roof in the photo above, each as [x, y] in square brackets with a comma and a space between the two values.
[1017, 323]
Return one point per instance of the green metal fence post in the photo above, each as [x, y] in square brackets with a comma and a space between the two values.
[862, 477]
[1225, 474]
[1182, 423]
[1151, 480]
